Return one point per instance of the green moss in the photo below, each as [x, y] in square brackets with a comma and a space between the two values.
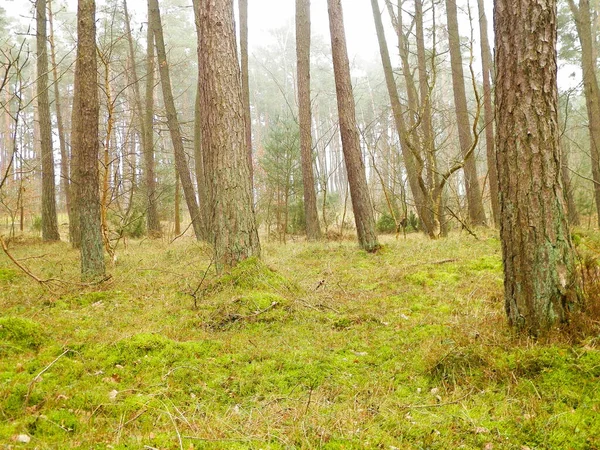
[254, 275]
[19, 334]
[8, 275]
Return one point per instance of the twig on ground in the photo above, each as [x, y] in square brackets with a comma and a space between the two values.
[37, 377]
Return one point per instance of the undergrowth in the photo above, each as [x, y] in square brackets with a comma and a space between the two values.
[321, 345]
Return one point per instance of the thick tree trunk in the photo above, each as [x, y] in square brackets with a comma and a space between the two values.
[233, 225]
[539, 269]
[172, 121]
[87, 107]
[243, 6]
[355, 168]
[582, 17]
[488, 112]
[474, 197]
[49, 218]
[313, 231]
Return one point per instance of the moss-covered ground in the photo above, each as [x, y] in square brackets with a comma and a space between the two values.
[321, 346]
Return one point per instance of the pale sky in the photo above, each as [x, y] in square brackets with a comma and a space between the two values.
[265, 15]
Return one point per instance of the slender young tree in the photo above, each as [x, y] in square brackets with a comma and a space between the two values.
[474, 197]
[313, 231]
[539, 263]
[86, 143]
[49, 218]
[172, 121]
[145, 134]
[233, 227]
[148, 154]
[355, 167]
[64, 154]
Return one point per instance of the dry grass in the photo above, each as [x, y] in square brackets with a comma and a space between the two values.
[323, 346]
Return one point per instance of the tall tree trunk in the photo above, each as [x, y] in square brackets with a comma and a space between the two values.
[87, 107]
[233, 225]
[243, 6]
[355, 168]
[198, 151]
[49, 218]
[313, 230]
[474, 197]
[152, 219]
[172, 121]
[539, 269]
[582, 17]
[412, 159]
[74, 223]
[64, 154]
[148, 153]
[488, 112]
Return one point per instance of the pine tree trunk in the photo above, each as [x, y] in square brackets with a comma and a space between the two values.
[355, 168]
[582, 17]
[243, 6]
[488, 112]
[474, 197]
[148, 151]
[233, 225]
[313, 230]
[198, 151]
[49, 218]
[539, 269]
[64, 158]
[87, 107]
[172, 121]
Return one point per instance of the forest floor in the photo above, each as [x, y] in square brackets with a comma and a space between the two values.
[323, 346]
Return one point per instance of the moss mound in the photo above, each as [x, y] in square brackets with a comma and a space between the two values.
[19, 335]
[253, 275]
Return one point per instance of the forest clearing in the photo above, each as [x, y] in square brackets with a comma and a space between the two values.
[323, 346]
[224, 228]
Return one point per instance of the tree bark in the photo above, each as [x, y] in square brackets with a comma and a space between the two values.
[233, 225]
[172, 121]
[313, 230]
[243, 11]
[198, 151]
[474, 197]
[591, 90]
[49, 218]
[87, 107]
[488, 112]
[539, 268]
[355, 168]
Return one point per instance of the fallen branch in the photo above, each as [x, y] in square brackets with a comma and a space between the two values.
[47, 283]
